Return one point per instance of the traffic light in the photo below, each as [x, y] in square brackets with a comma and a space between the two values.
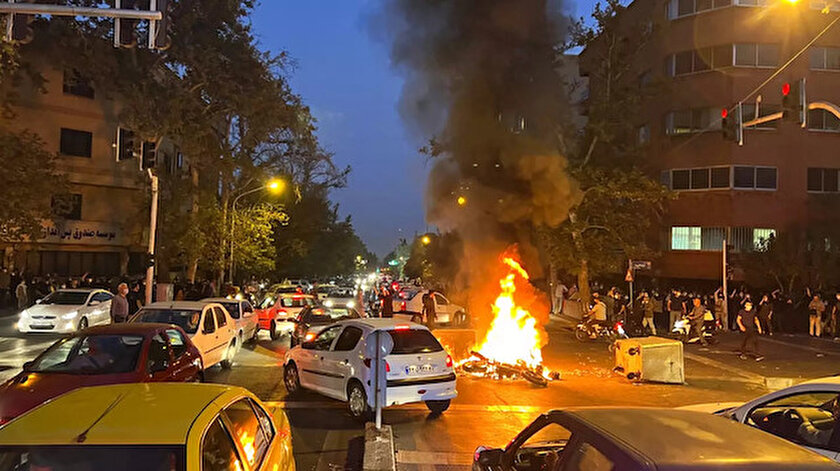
[21, 26]
[149, 152]
[126, 144]
[161, 40]
[730, 124]
[794, 107]
[125, 30]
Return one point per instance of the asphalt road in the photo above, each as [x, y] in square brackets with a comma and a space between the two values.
[490, 412]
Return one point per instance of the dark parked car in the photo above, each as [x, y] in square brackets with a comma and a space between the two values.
[313, 319]
[639, 439]
[112, 354]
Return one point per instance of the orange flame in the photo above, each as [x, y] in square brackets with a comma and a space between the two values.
[514, 335]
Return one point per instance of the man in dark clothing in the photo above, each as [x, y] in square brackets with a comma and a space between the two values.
[696, 315]
[387, 300]
[429, 309]
[751, 328]
[765, 312]
[135, 299]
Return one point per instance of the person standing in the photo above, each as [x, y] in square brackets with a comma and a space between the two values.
[559, 297]
[765, 314]
[816, 308]
[22, 295]
[429, 309]
[119, 304]
[835, 313]
[721, 316]
[749, 325]
[647, 313]
[696, 315]
[674, 306]
[387, 309]
[135, 299]
[5, 286]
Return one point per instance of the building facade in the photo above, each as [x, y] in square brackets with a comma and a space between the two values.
[703, 56]
[104, 230]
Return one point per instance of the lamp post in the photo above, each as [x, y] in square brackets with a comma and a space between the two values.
[275, 185]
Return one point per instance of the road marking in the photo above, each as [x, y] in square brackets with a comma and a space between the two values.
[754, 378]
[802, 347]
[433, 457]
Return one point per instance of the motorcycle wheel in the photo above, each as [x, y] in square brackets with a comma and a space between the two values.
[581, 335]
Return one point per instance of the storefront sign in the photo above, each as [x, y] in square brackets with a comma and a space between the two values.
[81, 232]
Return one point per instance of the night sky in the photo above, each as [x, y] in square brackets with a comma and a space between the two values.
[347, 80]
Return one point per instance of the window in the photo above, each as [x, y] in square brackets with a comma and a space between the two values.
[75, 84]
[822, 120]
[158, 353]
[689, 121]
[247, 308]
[218, 453]
[248, 431]
[720, 177]
[685, 238]
[813, 424]
[232, 308]
[67, 207]
[744, 177]
[823, 180]
[722, 56]
[699, 178]
[348, 339]
[412, 341]
[681, 180]
[176, 342]
[761, 178]
[679, 8]
[825, 58]
[325, 339]
[102, 297]
[665, 178]
[76, 143]
[765, 178]
[440, 300]
[209, 325]
[221, 318]
[761, 236]
[756, 55]
[585, 457]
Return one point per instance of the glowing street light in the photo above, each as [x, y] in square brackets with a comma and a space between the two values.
[276, 185]
[462, 201]
[426, 240]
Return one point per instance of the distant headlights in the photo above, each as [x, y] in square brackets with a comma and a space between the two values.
[328, 303]
[70, 315]
[351, 304]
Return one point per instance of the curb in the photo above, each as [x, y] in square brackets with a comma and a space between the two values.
[379, 449]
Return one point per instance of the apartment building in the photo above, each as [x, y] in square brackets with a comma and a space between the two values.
[704, 56]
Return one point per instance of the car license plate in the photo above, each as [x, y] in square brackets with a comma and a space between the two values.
[414, 369]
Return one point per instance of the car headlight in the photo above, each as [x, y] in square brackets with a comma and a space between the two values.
[70, 315]
[24, 314]
[351, 304]
[328, 303]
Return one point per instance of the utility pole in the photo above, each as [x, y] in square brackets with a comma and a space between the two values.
[725, 287]
[150, 269]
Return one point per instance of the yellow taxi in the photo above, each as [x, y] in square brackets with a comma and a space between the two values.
[150, 427]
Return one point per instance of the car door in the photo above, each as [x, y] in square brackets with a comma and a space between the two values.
[183, 367]
[225, 329]
[442, 308]
[314, 373]
[340, 360]
[807, 418]
[248, 318]
[159, 359]
[207, 338]
[101, 312]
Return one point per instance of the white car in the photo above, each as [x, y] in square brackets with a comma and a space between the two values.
[334, 364]
[340, 297]
[67, 311]
[408, 305]
[807, 414]
[209, 326]
[247, 321]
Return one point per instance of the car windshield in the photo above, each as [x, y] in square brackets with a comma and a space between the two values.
[66, 298]
[328, 316]
[414, 341]
[293, 302]
[87, 457]
[232, 308]
[186, 319]
[91, 354]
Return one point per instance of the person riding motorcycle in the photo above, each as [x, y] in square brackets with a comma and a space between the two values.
[597, 316]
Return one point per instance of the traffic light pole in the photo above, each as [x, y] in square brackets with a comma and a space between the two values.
[150, 269]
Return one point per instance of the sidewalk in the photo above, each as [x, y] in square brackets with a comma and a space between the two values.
[8, 311]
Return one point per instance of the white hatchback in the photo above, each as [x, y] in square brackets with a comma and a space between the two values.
[209, 326]
[334, 364]
[247, 322]
[67, 311]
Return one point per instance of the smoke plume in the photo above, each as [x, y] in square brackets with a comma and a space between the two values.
[481, 80]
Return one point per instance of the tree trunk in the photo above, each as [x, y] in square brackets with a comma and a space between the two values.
[583, 284]
[192, 268]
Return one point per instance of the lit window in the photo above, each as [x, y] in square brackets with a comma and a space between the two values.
[760, 236]
[686, 238]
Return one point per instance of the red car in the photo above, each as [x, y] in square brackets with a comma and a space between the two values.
[278, 312]
[111, 354]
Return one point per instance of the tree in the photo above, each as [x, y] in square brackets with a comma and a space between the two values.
[28, 181]
[620, 203]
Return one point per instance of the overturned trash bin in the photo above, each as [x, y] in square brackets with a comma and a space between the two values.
[650, 359]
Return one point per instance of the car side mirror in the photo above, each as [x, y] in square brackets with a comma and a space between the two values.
[490, 457]
[158, 365]
[28, 365]
[94, 303]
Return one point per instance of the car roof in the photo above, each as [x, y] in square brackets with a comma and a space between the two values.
[376, 323]
[147, 413]
[140, 328]
[80, 290]
[185, 305]
[685, 440]
[220, 300]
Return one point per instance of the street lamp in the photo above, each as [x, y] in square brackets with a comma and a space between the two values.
[462, 201]
[276, 186]
[426, 240]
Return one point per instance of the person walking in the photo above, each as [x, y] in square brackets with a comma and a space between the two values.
[765, 314]
[647, 313]
[816, 308]
[429, 309]
[696, 316]
[750, 327]
[674, 306]
[119, 304]
[22, 295]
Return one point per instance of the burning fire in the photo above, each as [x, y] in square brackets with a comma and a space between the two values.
[514, 336]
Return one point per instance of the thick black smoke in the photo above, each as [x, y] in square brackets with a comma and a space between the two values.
[481, 79]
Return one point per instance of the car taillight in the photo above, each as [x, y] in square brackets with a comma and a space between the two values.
[309, 336]
[368, 362]
[387, 367]
[402, 327]
[449, 361]
[402, 306]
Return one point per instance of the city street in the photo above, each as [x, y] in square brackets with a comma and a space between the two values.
[487, 411]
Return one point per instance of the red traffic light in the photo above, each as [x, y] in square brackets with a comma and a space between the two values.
[724, 113]
[786, 89]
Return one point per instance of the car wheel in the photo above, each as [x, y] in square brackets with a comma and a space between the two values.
[227, 362]
[438, 407]
[357, 403]
[83, 323]
[273, 331]
[199, 377]
[291, 379]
